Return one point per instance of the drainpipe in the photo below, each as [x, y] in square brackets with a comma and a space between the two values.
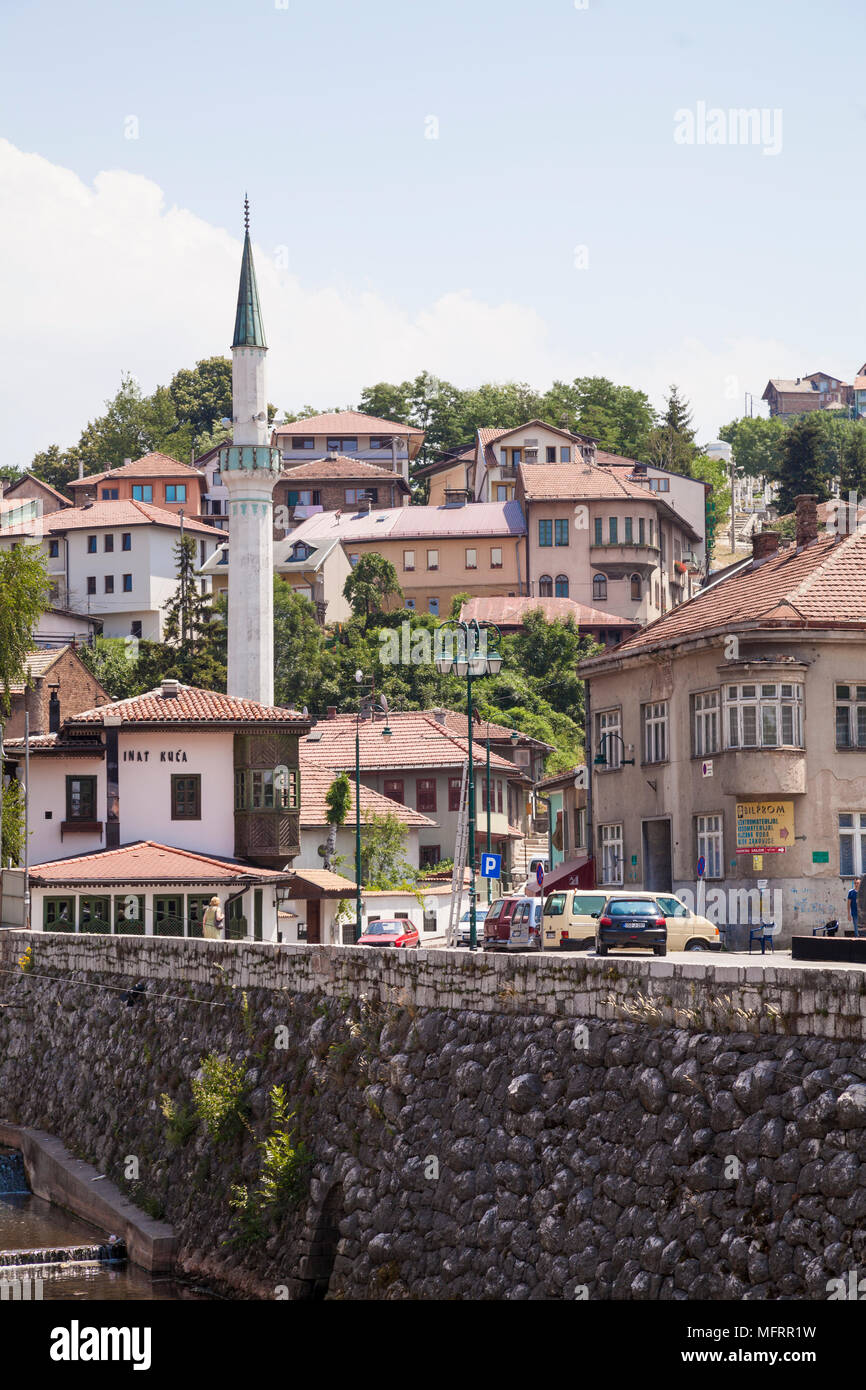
[587, 738]
[26, 821]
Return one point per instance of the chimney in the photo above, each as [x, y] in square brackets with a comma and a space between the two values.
[127, 461]
[54, 711]
[806, 513]
[170, 689]
[81, 468]
[764, 544]
[332, 711]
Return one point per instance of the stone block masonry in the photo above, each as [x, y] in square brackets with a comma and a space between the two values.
[499, 1128]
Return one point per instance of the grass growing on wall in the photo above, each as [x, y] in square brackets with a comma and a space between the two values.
[220, 1096]
[284, 1176]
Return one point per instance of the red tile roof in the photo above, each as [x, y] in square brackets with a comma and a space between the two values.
[455, 721]
[153, 465]
[417, 740]
[190, 706]
[509, 611]
[570, 482]
[123, 513]
[822, 585]
[343, 467]
[148, 861]
[316, 778]
[10, 487]
[339, 421]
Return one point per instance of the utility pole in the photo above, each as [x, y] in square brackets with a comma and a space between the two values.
[733, 526]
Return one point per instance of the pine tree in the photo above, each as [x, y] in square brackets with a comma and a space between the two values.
[804, 463]
[672, 443]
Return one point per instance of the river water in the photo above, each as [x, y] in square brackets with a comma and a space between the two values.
[28, 1223]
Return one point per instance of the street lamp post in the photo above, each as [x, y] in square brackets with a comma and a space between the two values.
[470, 658]
[386, 734]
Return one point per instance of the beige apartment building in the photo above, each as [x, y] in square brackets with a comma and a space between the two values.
[487, 469]
[731, 733]
[611, 544]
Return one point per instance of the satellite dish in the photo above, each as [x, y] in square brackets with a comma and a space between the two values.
[225, 422]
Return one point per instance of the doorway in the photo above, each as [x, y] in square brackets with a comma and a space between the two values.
[658, 869]
[314, 922]
[323, 1250]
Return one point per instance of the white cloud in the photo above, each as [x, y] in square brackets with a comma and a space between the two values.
[96, 280]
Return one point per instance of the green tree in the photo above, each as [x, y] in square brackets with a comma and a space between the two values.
[383, 852]
[805, 462]
[618, 417]
[55, 466]
[756, 443]
[24, 594]
[299, 648]
[715, 472]
[671, 444]
[852, 473]
[202, 395]
[12, 823]
[193, 647]
[111, 661]
[372, 582]
[338, 799]
[387, 401]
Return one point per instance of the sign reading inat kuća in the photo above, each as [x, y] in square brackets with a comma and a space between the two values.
[764, 827]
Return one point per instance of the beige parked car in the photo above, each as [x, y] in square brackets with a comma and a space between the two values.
[570, 920]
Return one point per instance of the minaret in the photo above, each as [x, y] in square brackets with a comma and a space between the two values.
[249, 469]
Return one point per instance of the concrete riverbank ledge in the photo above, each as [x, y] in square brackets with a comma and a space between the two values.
[54, 1174]
[774, 997]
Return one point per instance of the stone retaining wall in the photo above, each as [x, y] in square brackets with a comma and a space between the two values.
[520, 1128]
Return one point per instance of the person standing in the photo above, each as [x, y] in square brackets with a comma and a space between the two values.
[854, 905]
[213, 920]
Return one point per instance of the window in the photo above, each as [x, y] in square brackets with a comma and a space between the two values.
[135, 628]
[545, 586]
[127, 583]
[515, 457]
[561, 531]
[531, 455]
[303, 442]
[433, 607]
[705, 723]
[408, 559]
[496, 557]
[852, 843]
[410, 603]
[91, 545]
[353, 560]
[393, 788]
[629, 536]
[142, 492]
[110, 494]
[655, 725]
[641, 531]
[126, 540]
[661, 542]
[362, 494]
[168, 917]
[612, 530]
[709, 837]
[580, 828]
[545, 533]
[764, 716]
[342, 446]
[129, 914]
[609, 721]
[430, 917]
[108, 544]
[851, 716]
[380, 441]
[432, 559]
[109, 583]
[651, 531]
[175, 492]
[636, 588]
[472, 559]
[561, 586]
[610, 841]
[81, 798]
[598, 538]
[425, 794]
[550, 453]
[94, 915]
[599, 587]
[503, 492]
[429, 855]
[186, 797]
[53, 549]
[266, 789]
[58, 914]
[91, 583]
[565, 453]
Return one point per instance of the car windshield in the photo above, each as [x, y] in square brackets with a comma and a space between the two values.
[632, 907]
[480, 914]
[494, 910]
[672, 907]
[385, 928]
[555, 905]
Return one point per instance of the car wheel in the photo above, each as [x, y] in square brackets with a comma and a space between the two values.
[698, 946]
[600, 950]
[660, 950]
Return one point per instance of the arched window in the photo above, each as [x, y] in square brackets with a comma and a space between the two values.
[636, 587]
[561, 587]
[599, 586]
[545, 586]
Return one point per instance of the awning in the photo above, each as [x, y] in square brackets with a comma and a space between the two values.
[576, 873]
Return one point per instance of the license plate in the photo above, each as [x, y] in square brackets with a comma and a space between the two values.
[635, 926]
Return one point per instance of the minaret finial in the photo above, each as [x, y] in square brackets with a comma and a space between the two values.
[246, 213]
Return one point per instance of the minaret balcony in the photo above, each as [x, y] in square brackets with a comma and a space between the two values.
[250, 458]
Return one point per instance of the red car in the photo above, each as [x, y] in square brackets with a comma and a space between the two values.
[397, 931]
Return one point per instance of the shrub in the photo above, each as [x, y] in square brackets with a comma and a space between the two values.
[220, 1096]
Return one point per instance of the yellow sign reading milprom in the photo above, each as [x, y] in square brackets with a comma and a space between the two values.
[764, 827]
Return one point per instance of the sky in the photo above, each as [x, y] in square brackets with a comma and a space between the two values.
[486, 189]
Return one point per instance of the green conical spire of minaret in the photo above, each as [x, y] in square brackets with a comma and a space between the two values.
[249, 329]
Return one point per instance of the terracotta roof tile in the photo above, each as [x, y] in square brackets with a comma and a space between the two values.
[509, 611]
[820, 585]
[190, 706]
[10, 487]
[417, 740]
[338, 421]
[148, 861]
[342, 467]
[153, 465]
[123, 513]
[573, 482]
[316, 778]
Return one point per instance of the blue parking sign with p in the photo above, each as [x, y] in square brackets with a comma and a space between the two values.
[491, 865]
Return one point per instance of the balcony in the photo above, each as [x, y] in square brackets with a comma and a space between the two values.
[619, 558]
[763, 772]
